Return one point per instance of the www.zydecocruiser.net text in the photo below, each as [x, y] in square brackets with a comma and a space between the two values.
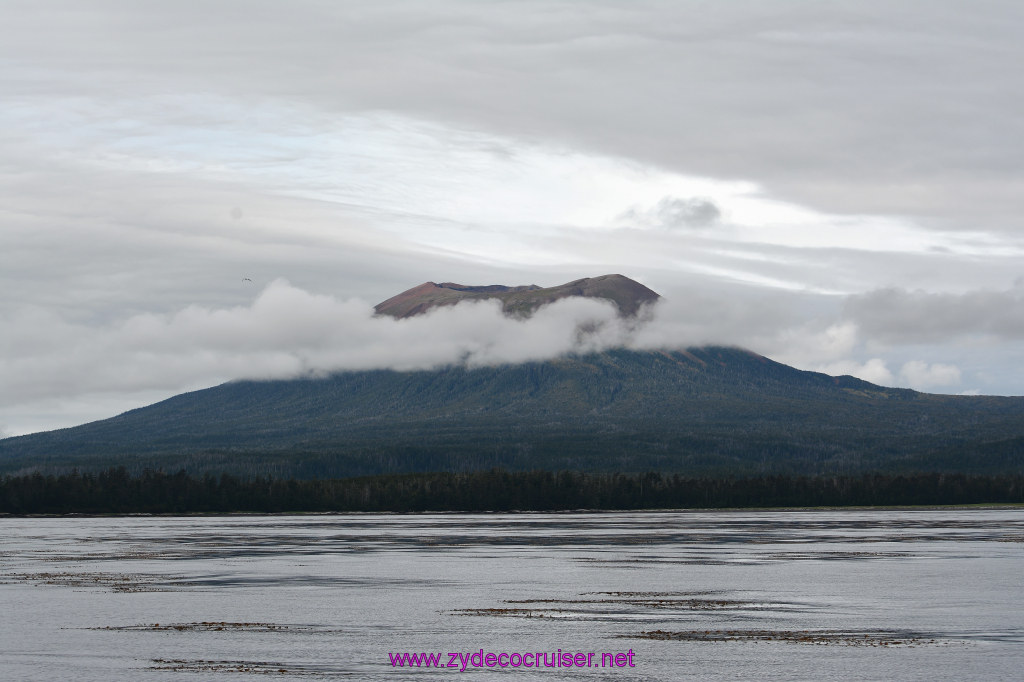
[463, 660]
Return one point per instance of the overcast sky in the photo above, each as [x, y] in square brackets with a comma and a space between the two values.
[837, 185]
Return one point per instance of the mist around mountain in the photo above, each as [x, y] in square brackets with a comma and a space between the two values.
[703, 411]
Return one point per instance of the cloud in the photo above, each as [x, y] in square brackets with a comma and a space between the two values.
[915, 374]
[902, 316]
[861, 109]
[86, 369]
[285, 332]
[807, 344]
[921, 375]
[873, 370]
[673, 213]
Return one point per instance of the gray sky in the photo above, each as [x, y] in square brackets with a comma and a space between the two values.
[836, 185]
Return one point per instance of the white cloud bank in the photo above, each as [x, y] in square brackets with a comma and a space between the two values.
[288, 332]
[285, 332]
[915, 374]
[60, 371]
[920, 374]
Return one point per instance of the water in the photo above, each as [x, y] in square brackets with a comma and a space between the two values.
[804, 595]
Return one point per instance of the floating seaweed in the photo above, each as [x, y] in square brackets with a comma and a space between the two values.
[508, 612]
[884, 638]
[590, 604]
[247, 667]
[116, 582]
[209, 626]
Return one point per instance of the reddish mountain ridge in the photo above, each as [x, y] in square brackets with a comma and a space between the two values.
[628, 295]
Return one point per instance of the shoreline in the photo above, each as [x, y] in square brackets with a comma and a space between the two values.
[564, 512]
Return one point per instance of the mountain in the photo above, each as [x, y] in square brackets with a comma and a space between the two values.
[710, 410]
[627, 295]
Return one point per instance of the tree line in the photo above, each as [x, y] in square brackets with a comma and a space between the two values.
[115, 491]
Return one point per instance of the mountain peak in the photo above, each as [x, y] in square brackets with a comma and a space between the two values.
[628, 296]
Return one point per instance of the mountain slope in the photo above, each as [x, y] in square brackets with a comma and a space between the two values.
[705, 410]
[627, 295]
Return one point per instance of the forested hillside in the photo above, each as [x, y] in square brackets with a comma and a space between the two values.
[705, 411]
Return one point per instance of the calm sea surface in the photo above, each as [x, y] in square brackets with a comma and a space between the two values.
[803, 595]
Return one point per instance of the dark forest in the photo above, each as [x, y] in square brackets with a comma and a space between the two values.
[115, 491]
